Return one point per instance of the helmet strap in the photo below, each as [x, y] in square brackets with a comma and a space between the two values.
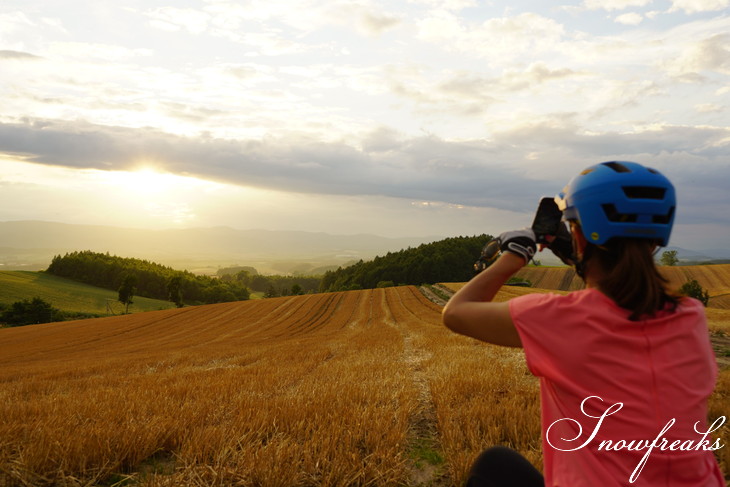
[581, 259]
[581, 250]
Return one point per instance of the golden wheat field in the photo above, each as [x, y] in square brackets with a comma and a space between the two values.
[339, 389]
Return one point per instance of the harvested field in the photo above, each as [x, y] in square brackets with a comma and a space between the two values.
[351, 388]
[561, 278]
[714, 278]
[337, 389]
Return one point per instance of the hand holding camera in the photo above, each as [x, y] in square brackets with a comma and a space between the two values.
[547, 230]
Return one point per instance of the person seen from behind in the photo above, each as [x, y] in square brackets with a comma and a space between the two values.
[625, 366]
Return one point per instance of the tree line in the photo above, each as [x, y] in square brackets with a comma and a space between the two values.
[34, 311]
[151, 280]
[271, 285]
[448, 260]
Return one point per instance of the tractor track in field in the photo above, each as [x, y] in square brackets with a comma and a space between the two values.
[424, 438]
[721, 346]
[432, 296]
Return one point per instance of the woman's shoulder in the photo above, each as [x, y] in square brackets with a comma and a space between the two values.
[685, 307]
[592, 296]
[585, 299]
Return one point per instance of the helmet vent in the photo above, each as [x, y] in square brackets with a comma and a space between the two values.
[613, 214]
[644, 192]
[617, 166]
[663, 219]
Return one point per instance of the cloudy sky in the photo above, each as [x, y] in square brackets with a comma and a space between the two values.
[392, 117]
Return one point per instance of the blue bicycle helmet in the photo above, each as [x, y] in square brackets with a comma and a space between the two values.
[620, 199]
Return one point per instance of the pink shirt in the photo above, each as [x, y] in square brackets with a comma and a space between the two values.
[611, 387]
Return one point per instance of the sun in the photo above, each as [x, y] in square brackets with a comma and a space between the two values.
[146, 181]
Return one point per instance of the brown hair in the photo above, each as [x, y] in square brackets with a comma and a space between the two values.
[630, 276]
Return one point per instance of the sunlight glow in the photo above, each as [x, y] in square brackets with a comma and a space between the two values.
[145, 181]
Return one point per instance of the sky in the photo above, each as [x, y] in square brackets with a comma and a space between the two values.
[395, 118]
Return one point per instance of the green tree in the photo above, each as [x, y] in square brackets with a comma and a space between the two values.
[271, 292]
[127, 290]
[296, 289]
[30, 312]
[174, 290]
[669, 257]
[693, 289]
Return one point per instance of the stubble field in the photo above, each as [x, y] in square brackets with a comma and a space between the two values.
[338, 389]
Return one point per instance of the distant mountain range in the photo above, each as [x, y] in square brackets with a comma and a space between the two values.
[701, 255]
[32, 244]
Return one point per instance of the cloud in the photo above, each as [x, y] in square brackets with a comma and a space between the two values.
[238, 22]
[96, 52]
[709, 108]
[424, 168]
[536, 74]
[696, 6]
[13, 22]
[631, 18]
[446, 5]
[498, 39]
[173, 19]
[614, 4]
[469, 93]
[508, 172]
[707, 54]
[18, 55]
[368, 19]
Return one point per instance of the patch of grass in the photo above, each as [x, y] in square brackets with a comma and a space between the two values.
[423, 450]
[67, 295]
[438, 292]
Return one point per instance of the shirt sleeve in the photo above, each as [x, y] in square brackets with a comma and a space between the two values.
[534, 318]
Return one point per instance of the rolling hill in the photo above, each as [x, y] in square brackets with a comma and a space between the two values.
[68, 295]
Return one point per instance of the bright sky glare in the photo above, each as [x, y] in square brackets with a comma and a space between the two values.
[399, 118]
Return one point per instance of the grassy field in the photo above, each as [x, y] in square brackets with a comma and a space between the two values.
[68, 295]
[360, 388]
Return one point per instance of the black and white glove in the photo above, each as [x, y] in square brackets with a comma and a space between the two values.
[519, 242]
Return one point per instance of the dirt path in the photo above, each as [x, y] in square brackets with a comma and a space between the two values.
[433, 296]
[426, 469]
[425, 451]
[721, 345]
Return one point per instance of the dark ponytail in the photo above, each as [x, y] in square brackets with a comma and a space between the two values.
[630, 276]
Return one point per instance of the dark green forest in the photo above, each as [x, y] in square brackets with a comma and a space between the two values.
[448, 260]
[151, 280]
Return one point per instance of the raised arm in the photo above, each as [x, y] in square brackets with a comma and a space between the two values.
[471, 311]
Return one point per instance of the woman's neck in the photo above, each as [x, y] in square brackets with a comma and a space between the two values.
[593, 275]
